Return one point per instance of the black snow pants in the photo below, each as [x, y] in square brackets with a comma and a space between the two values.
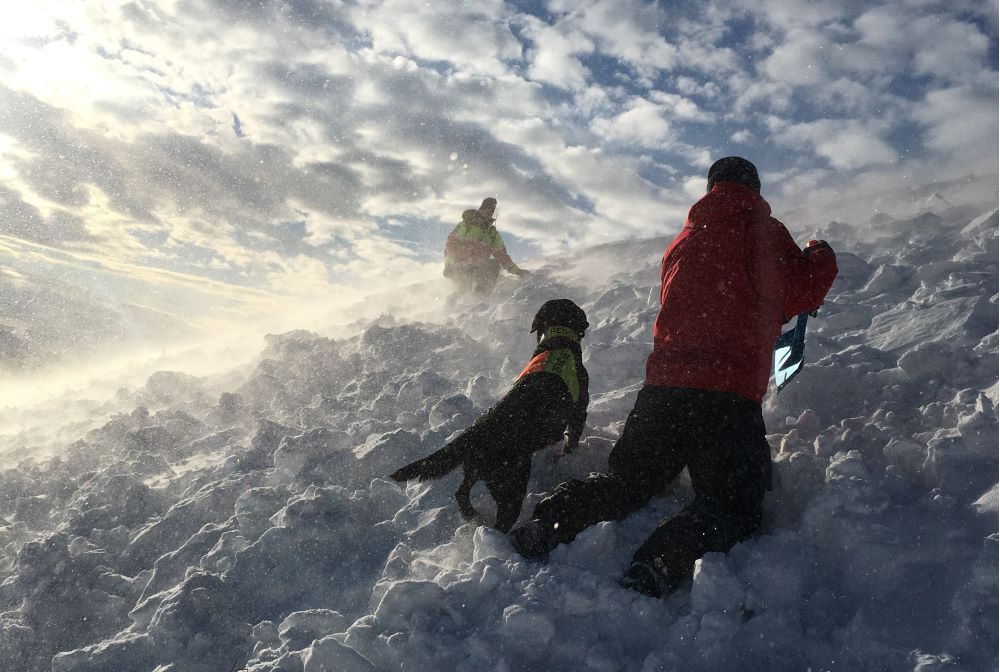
[477, 278]
[719, 437]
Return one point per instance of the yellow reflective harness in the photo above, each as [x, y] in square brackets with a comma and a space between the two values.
[559, 361]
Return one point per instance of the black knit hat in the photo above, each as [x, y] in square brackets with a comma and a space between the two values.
[734, 169]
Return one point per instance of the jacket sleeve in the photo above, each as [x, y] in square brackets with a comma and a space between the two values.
[785, 276]
[578, 418]
[500, 254]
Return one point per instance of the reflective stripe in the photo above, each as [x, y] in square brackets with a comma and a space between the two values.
[491, 237]
[562, 332]
[560, 362]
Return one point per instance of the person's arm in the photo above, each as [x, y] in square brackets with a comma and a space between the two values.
[449, 252]
[783, 274]
[500, 254]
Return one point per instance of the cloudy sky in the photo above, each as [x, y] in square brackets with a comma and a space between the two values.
[213, 156]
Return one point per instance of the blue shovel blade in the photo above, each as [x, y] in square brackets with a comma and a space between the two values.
[784, 369]
[789, 352]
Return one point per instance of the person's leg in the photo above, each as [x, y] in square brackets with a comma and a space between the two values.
[463, 279]
[486, 277]
[730, 465]
[641, 463]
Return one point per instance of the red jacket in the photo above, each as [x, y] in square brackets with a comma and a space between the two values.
[731, 278]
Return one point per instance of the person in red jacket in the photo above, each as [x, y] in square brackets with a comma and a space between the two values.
[474, 252]
[730, 279]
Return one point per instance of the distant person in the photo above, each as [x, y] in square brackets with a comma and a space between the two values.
[475, 253]
[548, 399]
[730, 279]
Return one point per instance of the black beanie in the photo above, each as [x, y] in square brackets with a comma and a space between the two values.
[734, 169]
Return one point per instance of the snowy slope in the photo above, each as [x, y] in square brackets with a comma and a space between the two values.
[34, 313]
[244, 521]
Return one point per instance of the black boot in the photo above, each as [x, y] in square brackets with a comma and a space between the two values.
[534, 539]
[653, 580]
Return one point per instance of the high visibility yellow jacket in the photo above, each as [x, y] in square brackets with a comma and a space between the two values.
[473, 242]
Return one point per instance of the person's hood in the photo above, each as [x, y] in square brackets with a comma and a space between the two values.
[473, 216]
[727, 205]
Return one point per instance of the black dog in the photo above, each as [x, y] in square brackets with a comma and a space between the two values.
[549, 397]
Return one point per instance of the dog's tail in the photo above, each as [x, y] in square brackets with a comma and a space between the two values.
[435, 465]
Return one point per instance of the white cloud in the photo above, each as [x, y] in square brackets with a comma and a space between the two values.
[642, 123]
[647, 122]
[771, 95]
[694, 187]
[472, 37]
[690, 86]
[883, 27]
[594, 100]
[623, 202]
[626, 29]
[895, 37]
[846, 144]
[953, 50]
[741, 136]
[794, 14]
[554, 54]
[802, 59]
[681, 107]
[960, 123]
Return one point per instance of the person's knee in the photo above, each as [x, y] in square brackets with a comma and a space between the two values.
[553, 508]
[638, 484]
[727, 522]
[595, 498]
[748, 521]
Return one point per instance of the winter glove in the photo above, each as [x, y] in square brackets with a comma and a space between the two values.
[816, 245]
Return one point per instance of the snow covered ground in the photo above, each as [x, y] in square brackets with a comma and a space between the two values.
[244, 521]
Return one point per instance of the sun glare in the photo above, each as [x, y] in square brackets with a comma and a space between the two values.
[25, 21]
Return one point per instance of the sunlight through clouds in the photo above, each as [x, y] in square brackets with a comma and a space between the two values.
[267, 146]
